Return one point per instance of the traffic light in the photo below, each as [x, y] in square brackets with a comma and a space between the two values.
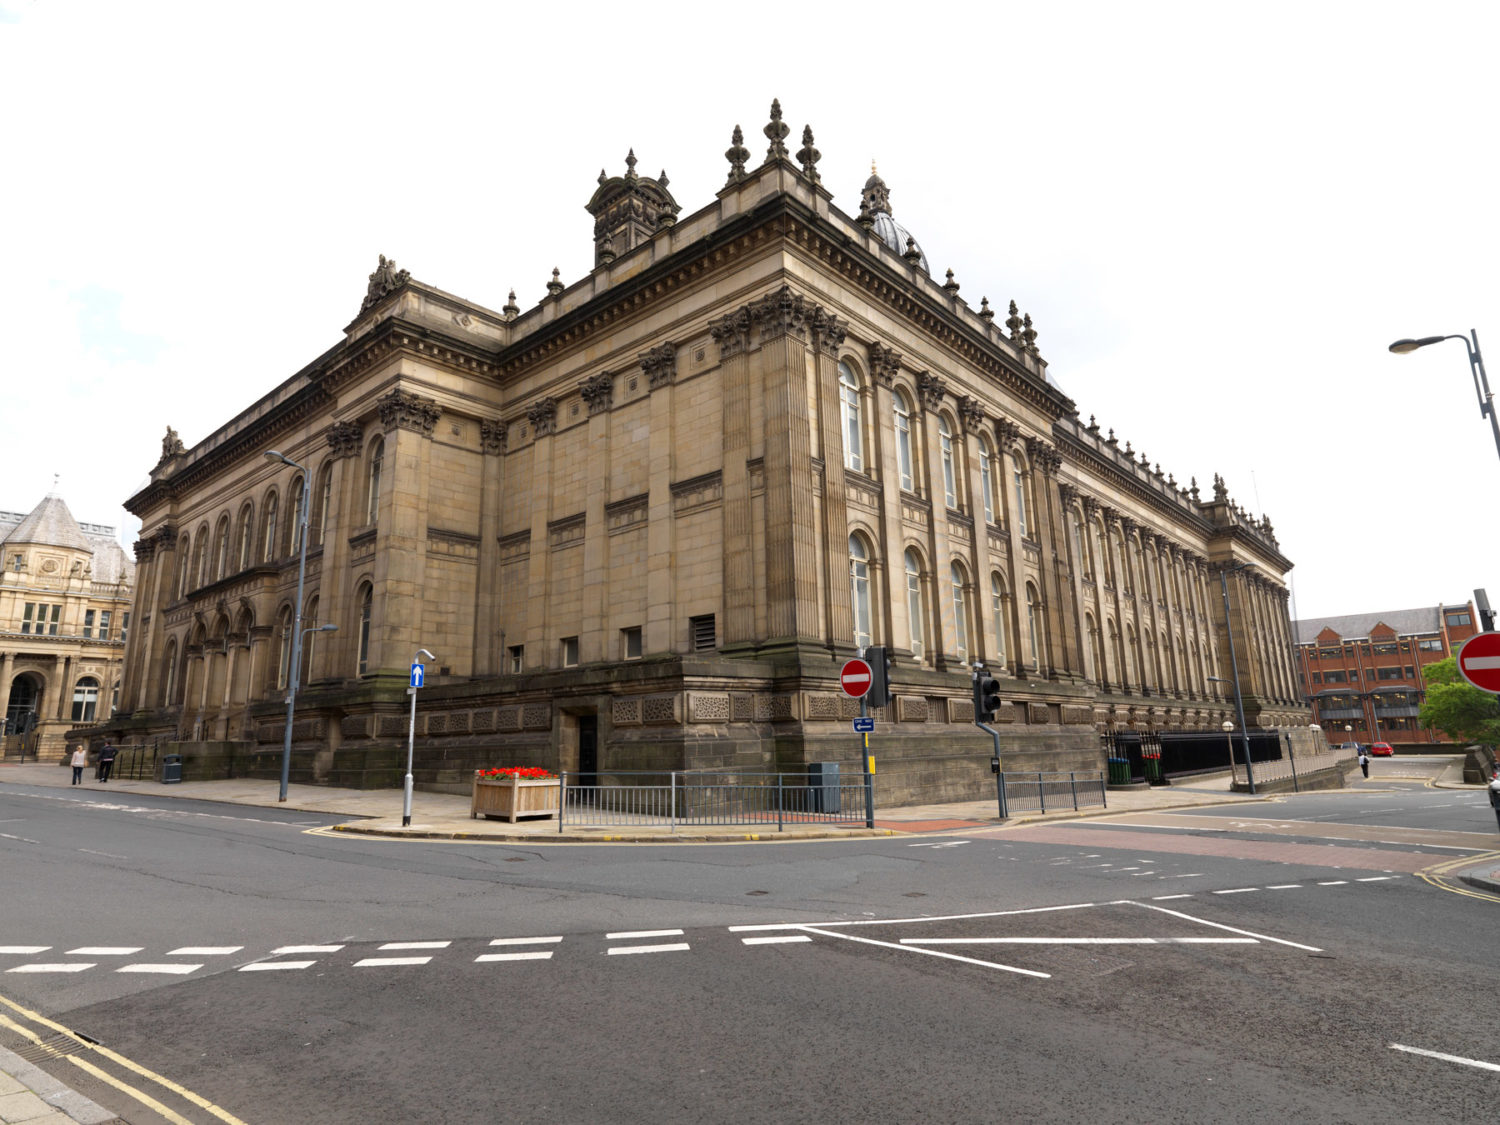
[878, 657]
[986, 695]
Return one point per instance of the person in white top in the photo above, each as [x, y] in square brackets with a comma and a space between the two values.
[79, 760]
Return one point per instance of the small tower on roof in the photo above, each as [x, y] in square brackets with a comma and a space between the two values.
[628, 210]
[875, 216]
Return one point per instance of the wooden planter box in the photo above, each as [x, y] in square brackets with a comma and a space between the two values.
[507, 798]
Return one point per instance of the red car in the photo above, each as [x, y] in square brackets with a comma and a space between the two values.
[1381, 750]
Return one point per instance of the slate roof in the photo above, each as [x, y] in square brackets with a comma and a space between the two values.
[1424, 619]
[52, 524]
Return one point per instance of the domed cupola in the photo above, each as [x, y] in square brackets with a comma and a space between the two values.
[875, 216]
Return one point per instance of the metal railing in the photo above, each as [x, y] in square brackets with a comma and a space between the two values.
[1044, 792]
[135, 762]
[674, 799]
[1294, 764]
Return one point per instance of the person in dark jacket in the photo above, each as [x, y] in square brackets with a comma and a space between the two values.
[106, 761]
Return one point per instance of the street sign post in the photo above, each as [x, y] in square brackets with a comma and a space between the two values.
[864, 724]
[416, 675]
[1479, 662]
[855, 678]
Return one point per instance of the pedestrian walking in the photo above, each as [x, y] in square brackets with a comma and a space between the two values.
[106, 761]
[80, 759]
[1364, 761]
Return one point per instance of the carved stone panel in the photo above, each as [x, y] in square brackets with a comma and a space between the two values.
[536, 716]
[911, 709]
[822, 705]
[708, 707]
[659, 710]
[625, 712]
[508, 719]
[1038, 714]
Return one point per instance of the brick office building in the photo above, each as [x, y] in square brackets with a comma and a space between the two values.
[1364, 670]
[643, 522]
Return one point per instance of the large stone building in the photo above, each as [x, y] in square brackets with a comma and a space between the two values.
[65, 595]
[642, 523]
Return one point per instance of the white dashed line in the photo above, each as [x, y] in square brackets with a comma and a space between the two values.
[1078, 941]
[24, 950]
[1285, 887]
[1446, 1058]
[205, 951]
[68, 967]
[524, 940]
[775, 940]
[267, 966]
[642, 933]
[280, 950]
[649, 948]
[1168, 898]
[526, 955]
[175, 968]
[391, 961]
[1334, 883]
[105, 950]
[1376, 878]
[1237, 891]
[416, 945]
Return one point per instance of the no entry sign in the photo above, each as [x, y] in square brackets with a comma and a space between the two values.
[1479, 661]
[855, 678]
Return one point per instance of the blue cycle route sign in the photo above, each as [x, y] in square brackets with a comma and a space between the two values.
[865, 724]
[416, 675]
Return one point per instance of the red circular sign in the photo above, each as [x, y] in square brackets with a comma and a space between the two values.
[855, 678]
[1479, 661]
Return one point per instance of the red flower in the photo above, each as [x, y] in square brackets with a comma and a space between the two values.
[525, 773]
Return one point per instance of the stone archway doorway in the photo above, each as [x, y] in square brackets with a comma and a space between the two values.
[25, 700]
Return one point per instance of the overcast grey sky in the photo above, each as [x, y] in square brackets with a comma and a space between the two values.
[1218, 216]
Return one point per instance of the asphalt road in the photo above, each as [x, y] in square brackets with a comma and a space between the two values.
[1193, 966]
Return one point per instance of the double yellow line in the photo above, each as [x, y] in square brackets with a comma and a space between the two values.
[118, 1060]
[1437, 874]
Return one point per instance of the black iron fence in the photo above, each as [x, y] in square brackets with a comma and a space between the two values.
[1051, 792]
[135, 762]
[640, 798]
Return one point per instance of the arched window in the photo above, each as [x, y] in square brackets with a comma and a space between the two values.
[169, 675]
[1108, 568]
[321, 497]
[854, 446]
[960, 613]
[987, 480]
[365, 602]
[1132, 668]
[372, 480]
[915, 610]
[284, 657]
[202, 559]
[1084, 569]
[1023, 515]
[309, 640]
[997, 615]
[1033, 626]
[1091, 632]
[859, 589]
[221, 549]
[945, 446]
[293, 535]
[85, 699]
[185, 566]
[905, 467]
[245, 536]
[268, 540]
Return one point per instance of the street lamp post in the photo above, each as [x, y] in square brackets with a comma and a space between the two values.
[295, 672]
[1227, 726]
[1476, 369]
[411, 735]
[1234, 666]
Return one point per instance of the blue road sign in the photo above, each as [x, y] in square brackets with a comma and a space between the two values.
[864, 724]
[416, 675]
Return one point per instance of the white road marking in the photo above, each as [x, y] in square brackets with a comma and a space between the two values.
[1334, 883]
[178, 968]
[675, 947]
[526, 955]
[775, 940]
[22, 839]
[1446, 1058]
[1189, 875]
[931, 953]
[106, 855]
[1376, 878]
[267, 966]
[1221, 926]
[416, 945]
[1078, 941]
[524, 940]
[277, 952]
[68, 967]
[105, 950]
[1285, 887]
[27, 950]
[623, 934]
[391, 961]
[1169, 898]
[205, 951]
[1236, 891]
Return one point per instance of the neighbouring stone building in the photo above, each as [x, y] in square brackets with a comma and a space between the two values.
[65, 595]
[643, 522]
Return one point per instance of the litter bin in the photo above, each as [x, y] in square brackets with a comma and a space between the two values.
[823, 787]
[171, 769]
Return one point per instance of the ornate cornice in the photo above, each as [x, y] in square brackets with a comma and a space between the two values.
[145, 550]
[344, 439]
[660, 365]
[599, 392]
[884, 363]
[782, 313]
[494, 435]
[542, 415]
[402, 410]
[970, 413]
[930, 390]
[1007, 433]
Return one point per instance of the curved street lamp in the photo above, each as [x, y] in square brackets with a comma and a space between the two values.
[1476, 369]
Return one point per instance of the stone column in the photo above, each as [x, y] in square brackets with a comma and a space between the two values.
[598, 393]
[487, 657]
[889, 591]
[54, 690]
[135, 664]
[142, 669]
[1007, 434]
[938, 579]
[791, 537]
[1055, 593]
[7, 673]
[1073, 581]
[334, 656]
[972, 421]
[838, 611]
[401, 543]
[541, 647]
[732, 335]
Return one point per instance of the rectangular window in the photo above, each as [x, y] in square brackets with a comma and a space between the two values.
[1385, 649]
[52, 624]
[1433, 645]
[1390, 673]
[27, 616]
[1334, 676]
[104, 624]
[705, 637]
[88, 623]
[517, 658]
[569, 651]
[1317, 677]
[124, 624]
[630, 643]
[1409, 671]
[1459, 619]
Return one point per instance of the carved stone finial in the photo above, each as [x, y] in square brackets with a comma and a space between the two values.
[599, 392]
[385, 280]
[1112, 440]
[808, 156]
[630, 163]
[912, 254]
[555, 286]
[985, 310]
[1193, 489]
[1221, 490]
[1013, 324]
[171, 446]
[1093, 426]
[1128, 451]
[776, 130]
[510, 308]
[1028, 335]
[606, 251]
[950, 286]
[736, 154]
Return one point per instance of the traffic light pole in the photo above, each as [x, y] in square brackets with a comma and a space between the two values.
[864, 740]
[994, 734]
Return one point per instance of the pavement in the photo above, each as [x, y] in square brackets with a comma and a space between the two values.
[29, 1095]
